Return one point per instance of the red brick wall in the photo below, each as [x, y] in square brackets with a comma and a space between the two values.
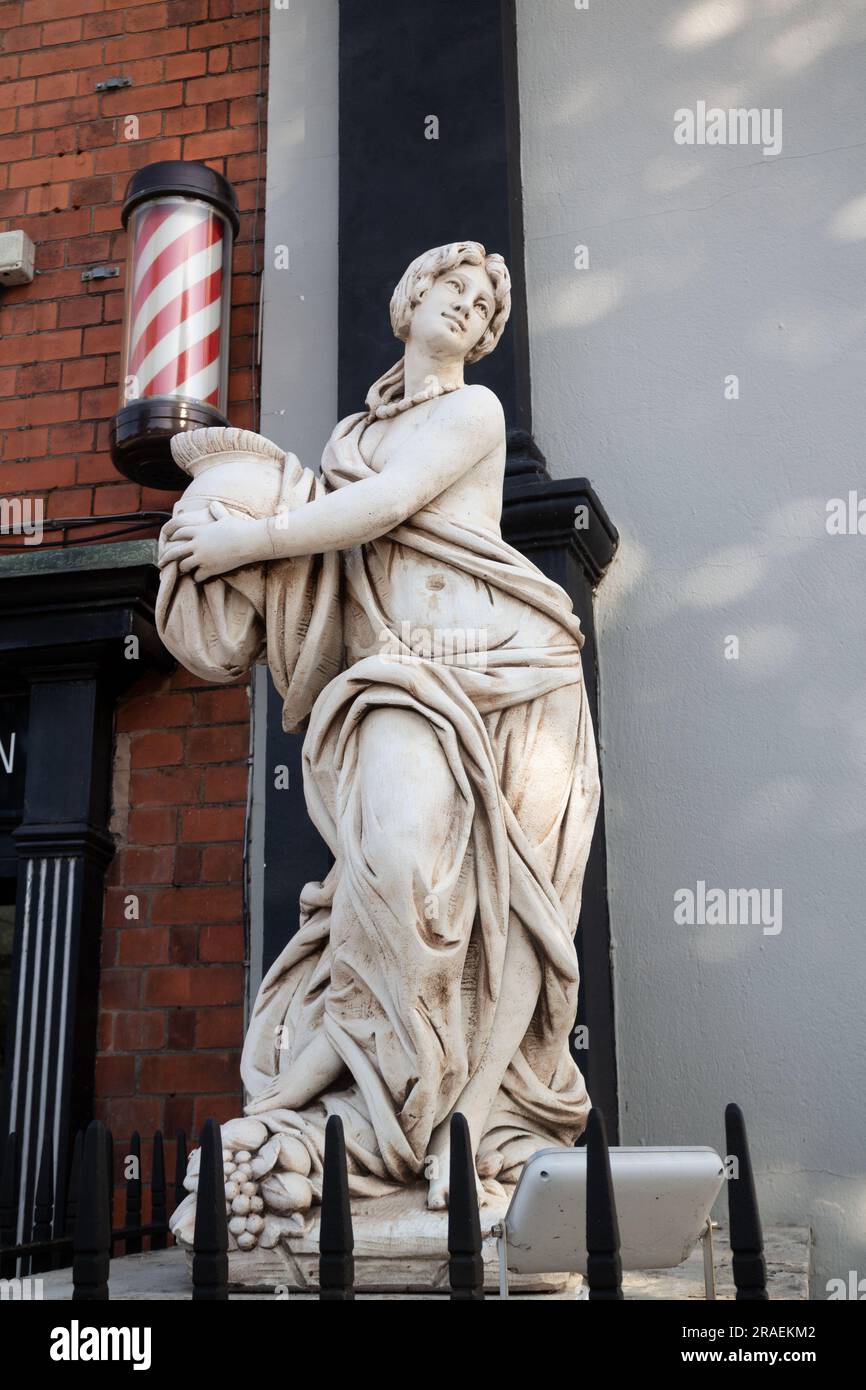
[172, 984]
[64, 165]
[171, 1017]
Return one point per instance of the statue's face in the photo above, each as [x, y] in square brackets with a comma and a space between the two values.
[455, 312]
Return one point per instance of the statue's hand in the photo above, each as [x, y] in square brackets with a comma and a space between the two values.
[206, 548]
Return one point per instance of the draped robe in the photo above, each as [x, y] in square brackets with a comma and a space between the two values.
[405, 982]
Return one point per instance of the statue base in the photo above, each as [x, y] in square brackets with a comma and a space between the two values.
[400, 1248]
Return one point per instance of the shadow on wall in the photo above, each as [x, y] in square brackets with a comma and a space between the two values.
[697, 333]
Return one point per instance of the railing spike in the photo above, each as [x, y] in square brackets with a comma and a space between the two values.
[158, 1213]
[603, 1263]
[132, 1214]
[747, 1240]
[8, 1196]
[336, 1238]
[92, 1241]
[210, 1263]
[465, 1261]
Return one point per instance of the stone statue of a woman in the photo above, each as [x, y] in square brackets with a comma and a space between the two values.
[449, 763]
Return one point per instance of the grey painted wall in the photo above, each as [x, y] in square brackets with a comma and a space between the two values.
[749, 773]
[299, 304]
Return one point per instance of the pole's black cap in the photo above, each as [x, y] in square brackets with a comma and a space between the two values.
[184, 176]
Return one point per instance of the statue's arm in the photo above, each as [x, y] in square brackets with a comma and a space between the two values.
[466, 427]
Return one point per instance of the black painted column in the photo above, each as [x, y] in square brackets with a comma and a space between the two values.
[74, 631]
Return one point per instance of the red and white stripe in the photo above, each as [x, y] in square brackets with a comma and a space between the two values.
[176, 302]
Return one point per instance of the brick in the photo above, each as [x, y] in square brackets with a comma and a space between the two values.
[144, 946]
[58, 140]
[222, 1108]
[123, 498]
[21, 39]
[183, 945]
[229, 705]
[13, 202]
[102, 338]
[224, 31]
[153, 826]
[194, 985]
[86, 192]
[187, 859]
[34, 475]
[142, 1031]
[226, 86]
[54, 169]
[223, 784]
[216, 144]
[115, 1076]
[50, 410]
[101, 26]
[243, 111]
[43, 376]
[187, 11]
[97, 404]
[73, 437]
[181, 1030]
[87, 371]
[98, 469]
[132, 154]
[16, 147]
[123, 1114]
[156, 749]
[180, 65]
[184, 120]
[61, 31]
[29, 444]
[220, 743]
[144, 866]
[194, 906]
[164, 710]
[132, 46]
[179, 1115]
[17, 94]
[75, 222]
[47, 198]
[219, 1027]
[38, 10]
[166, 787]
[87, 55]
[119, 989]
[204, 824]
[75, 502]
[188, 1072]
[221, 944]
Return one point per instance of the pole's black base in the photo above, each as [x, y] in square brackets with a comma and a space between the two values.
[141, 438]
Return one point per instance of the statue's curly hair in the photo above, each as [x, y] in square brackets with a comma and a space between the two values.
[415, 283]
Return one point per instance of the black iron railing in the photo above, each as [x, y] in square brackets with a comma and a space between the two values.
[87, 1239]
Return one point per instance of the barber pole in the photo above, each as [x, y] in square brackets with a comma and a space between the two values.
[181, 218]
